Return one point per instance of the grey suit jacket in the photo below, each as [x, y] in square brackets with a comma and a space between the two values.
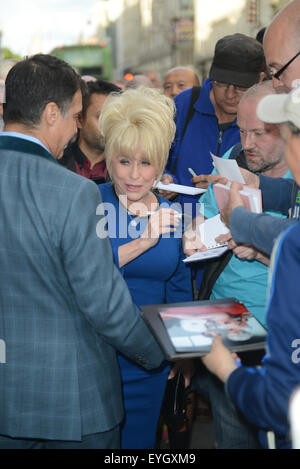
[64, 307]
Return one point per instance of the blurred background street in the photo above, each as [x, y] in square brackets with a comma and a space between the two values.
[128, 37]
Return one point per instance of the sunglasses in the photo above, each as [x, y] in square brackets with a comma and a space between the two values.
[282, 69]
[225, 86]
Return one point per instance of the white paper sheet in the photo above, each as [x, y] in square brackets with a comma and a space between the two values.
[228, 169]
[210, 229]
[180, 189]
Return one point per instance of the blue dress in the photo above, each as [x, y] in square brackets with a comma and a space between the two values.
[157, 276]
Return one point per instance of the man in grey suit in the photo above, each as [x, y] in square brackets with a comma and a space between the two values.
[64, 307]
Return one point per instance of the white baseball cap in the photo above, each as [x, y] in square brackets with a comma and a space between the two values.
[280, 108]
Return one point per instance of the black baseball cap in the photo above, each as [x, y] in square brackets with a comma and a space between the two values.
[238, 60]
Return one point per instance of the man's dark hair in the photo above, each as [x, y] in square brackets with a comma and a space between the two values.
[33, 83]
[97, 87]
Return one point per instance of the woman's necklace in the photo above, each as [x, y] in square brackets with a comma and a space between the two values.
[135, 219]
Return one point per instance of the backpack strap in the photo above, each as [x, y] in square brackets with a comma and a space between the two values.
[194, 96]
[237, 153]
[212, 270]
[215, 267]
[196, 90]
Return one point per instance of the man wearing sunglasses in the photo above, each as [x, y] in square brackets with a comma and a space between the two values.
[282, 53]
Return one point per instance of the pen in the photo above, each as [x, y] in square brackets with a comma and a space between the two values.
[179, 215]
[192, 172]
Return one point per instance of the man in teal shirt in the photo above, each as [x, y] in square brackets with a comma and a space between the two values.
[246, 279]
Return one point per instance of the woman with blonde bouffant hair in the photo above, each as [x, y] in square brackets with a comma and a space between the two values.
[145, 234]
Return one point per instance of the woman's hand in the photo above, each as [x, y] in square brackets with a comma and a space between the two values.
[160, 222]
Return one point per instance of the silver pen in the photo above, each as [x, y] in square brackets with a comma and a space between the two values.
[178, 214]
[192, 172]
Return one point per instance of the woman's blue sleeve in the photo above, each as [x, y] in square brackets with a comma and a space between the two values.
[179, 286]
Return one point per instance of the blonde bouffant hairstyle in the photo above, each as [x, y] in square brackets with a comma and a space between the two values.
[141, 120]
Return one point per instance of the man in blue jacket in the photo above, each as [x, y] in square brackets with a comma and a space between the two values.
[237, 65]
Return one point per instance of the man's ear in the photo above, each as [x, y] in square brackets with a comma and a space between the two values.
[79, 120]
[51, 113]
[262, 76]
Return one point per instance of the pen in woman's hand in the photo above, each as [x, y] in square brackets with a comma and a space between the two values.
[178, 214]
[192, 172]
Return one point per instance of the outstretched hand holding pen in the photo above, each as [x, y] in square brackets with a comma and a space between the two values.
[167, 179]
[202, 181]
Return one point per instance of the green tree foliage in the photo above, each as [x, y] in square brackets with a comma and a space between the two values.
[8, 54]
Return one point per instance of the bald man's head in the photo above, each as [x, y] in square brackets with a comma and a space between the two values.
[178, 79]
[281, 44]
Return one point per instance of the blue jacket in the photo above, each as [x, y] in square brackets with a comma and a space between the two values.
[263, 394]
[202, 136]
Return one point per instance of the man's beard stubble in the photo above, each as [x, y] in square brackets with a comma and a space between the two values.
[95, 144]
[263, 166]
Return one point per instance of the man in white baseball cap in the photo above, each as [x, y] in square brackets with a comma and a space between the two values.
[263, 395]
[281, 46]
[285, 109]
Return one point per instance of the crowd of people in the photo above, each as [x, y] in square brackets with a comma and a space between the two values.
[87, 239]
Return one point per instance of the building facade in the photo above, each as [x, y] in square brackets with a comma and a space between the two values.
[150, 35]
[156, 35]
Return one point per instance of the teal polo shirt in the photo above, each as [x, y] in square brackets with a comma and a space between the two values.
[245, 280]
